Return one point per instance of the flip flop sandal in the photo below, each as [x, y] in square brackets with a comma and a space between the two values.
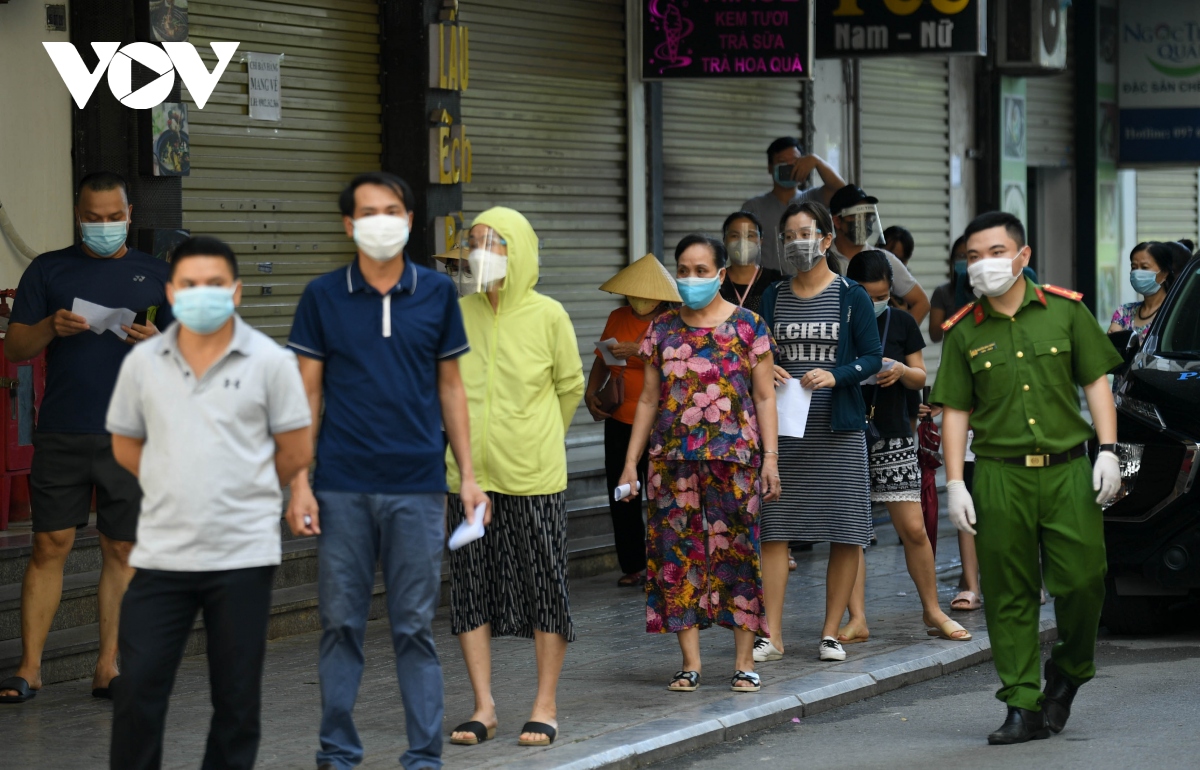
[791, 564]
[745, 676]
[24, 693]
[966, 601]
[632, 580]
[480, 733]
[948, 628]
[691, 677]
[105, 693]
[538, 727]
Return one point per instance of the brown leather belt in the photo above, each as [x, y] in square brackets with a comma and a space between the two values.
[1043, 461]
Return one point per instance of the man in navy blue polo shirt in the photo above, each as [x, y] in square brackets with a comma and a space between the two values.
[380, 340]
[73, 451]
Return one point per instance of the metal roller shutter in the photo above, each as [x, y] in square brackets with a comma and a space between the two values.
[270, 188]
[906, 154]
[715, 139]
[545, 112]
[1167, 204]
[1050, 116]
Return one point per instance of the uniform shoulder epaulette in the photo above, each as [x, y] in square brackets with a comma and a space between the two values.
[1061, 292]
[961, 314]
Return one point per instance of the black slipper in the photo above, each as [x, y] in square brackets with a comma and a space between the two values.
[105, 693]
[481, 732]
[538, 727]
[24, 693]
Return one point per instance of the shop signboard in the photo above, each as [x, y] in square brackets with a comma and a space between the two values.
[262, 78]
[873, 28]
[1159, 82]
[695, 39]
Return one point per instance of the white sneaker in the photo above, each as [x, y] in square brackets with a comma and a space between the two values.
[764, 651]
[831, 649]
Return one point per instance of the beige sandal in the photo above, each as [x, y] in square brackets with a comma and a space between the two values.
[948, 630]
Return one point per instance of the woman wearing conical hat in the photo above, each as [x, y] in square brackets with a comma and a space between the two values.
[612, 394]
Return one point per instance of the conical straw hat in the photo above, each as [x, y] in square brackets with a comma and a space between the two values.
[457, 252]
[645, 278]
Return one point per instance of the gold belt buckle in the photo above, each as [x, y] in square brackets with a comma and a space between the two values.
[1037, 461]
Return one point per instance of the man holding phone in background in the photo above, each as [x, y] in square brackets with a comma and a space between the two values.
[790, 170]
[73, 451]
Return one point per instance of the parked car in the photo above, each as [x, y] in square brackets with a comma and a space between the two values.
[1152, 529]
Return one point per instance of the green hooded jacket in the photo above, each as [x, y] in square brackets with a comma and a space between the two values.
[523, 376]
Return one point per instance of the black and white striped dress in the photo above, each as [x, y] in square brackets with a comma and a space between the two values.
[826, 487]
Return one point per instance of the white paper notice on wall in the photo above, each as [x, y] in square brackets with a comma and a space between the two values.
[262, 72]
[956, 170]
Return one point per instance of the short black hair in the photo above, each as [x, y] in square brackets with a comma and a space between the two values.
[1170, 256]
[102, 181]
[204, 246]
[720, 256]
[1187, 243]
[902, 236]
[987, 221]
[381, 178]
[869, 266]
[735, 216]
[814, 209]
[781, 144]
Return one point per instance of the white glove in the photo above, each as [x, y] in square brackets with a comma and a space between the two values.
[962, 507]
[1106, 476]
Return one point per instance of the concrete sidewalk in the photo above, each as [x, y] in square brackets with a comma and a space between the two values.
[614, 708]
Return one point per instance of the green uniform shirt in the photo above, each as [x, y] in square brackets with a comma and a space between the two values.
[1018, 375]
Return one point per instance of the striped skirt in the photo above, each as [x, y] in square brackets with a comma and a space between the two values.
[826, 489]
[515, 576]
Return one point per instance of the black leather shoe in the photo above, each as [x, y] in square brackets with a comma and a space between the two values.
[1020, 726]
[1059, 695]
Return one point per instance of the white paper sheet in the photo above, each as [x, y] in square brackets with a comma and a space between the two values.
[101, 318]
[792, 402]
[874, 378]
[605, 348]
[467, 532]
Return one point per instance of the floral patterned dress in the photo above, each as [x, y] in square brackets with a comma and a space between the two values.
[703, 490]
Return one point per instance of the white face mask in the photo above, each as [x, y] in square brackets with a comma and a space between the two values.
[993, 276]
[487, 267]
[381, 236]
[880, 307]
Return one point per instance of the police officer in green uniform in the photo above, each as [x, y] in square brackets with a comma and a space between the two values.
[1011, 367]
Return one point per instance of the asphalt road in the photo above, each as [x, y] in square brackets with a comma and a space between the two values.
[1141, 711]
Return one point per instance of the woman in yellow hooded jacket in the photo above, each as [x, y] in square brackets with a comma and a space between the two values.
[524, 380]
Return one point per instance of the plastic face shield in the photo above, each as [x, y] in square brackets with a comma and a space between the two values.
[801, 247]
[863, 225]
[744, 243]
[485, 266]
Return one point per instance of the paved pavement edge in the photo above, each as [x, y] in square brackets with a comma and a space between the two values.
[728, 719]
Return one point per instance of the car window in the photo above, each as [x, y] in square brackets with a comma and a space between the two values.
[1181, 332]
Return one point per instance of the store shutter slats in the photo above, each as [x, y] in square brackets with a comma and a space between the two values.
[1050, 114]
[1167, 204]
[270, 188]
[906, 154]
[546, 115]
[715, 138]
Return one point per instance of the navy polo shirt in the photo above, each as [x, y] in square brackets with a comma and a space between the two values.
[81, 370]
[382, 430]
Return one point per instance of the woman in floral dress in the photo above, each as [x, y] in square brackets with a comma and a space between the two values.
[707, 411]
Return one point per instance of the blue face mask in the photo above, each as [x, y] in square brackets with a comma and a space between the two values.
[203, 309]
[104, 238]
[698, 292]
[1144, 282]
[783, 176]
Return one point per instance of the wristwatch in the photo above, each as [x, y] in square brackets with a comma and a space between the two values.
[1108, 448]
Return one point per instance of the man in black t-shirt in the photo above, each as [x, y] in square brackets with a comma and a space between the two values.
[73, 452]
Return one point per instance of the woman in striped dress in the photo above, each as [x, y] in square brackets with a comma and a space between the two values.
[824, 326]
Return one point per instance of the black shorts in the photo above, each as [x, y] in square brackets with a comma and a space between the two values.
[66, 467]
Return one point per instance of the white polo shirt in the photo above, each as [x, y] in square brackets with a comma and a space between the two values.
[211, 499]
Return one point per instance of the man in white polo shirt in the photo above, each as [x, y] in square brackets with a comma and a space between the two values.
[209, 415]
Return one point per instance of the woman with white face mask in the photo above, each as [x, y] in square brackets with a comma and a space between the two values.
[745, 277]
[824, 326]
[524, 380]
[1153, 268]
